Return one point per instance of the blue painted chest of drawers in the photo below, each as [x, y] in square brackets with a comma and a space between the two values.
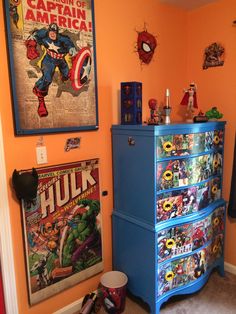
[169, 215]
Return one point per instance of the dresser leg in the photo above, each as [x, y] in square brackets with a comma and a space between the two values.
[157, 309]
[221, 269]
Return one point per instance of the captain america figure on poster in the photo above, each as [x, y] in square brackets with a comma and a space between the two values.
[57, 46]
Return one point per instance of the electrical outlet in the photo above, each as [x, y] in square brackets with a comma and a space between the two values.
[41, 154]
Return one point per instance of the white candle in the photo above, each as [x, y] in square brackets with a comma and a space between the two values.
[167, 98]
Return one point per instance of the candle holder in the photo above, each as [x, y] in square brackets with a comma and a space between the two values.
[167, 112]
[167, 108]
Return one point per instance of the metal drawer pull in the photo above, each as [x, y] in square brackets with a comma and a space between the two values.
[131, 141]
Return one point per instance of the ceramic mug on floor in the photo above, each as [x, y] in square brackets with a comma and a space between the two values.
[113, 288]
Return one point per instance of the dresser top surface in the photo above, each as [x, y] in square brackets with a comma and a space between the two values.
[173, 127]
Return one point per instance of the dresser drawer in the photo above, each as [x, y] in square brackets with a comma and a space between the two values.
[185, 238]
[182, 202]
[176, 173]
[189, 143]
[180, 272]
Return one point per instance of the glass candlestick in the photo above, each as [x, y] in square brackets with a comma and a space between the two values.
[167, 108]
[167, 112]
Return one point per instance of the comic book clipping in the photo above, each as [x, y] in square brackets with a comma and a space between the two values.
[62, 229]
[52, 54]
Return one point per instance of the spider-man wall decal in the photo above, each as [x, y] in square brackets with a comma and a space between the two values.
[146, 45]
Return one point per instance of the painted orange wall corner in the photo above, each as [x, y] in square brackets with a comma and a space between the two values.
[217, 86]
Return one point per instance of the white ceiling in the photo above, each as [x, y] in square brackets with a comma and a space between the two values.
[188, 4]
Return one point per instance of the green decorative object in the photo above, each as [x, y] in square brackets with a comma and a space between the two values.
[213, 113]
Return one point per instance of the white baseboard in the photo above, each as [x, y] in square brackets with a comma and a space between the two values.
[230, 268]
[71, 308]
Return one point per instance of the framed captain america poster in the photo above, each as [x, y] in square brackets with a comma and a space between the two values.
[52, 56]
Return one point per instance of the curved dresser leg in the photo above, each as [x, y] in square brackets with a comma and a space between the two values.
[221, 269]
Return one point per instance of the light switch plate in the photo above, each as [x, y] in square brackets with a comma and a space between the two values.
[41, 154]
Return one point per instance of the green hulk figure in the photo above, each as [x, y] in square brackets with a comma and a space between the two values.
[214, 114]
[82, 247]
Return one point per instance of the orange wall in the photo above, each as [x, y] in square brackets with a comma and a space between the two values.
[217, 86]
[117, 23]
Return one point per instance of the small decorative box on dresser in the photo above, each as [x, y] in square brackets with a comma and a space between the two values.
[169, 215]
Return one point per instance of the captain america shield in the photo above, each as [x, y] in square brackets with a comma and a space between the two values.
[81, 68]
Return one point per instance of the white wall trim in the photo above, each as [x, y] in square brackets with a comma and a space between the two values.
[230, 268]
[6, 249]
[71, 308]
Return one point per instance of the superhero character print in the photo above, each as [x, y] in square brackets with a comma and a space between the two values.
[57, 47]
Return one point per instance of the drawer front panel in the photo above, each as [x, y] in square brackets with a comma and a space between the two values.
[188, 144]
[186, 238]
[185, 270]
[187, 171]
[177, 203]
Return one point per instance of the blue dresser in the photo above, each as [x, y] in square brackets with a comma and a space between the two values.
[169, 215]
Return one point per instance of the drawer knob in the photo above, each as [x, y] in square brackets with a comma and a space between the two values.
[169, 276]
[168, 146]
[170, 243]
[214, 189]
[168, 175]
[216, 140]
[131, 141]
[167, 206]
[216, 222]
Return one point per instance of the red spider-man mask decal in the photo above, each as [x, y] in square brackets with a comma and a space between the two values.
[146, 45]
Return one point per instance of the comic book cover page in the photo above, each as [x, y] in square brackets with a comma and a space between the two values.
[183, 144]
[52, 51]
[217, 163]
[165, 146]
[62, 228]
[167, 174]
[199, 234]
[202, 168]
[209, 140]
[166, 241]
[165, 278]
[218, 139]
[189, 200]
[199, 143]
[169, 208]
[179, 267]
[203, 195]
[183, 240]
[208, 228]
[217, 220]
[215, 188]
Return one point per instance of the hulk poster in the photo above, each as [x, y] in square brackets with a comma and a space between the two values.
[62, 228]
[53, 68]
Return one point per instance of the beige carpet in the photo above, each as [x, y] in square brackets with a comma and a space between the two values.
[218, 296]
